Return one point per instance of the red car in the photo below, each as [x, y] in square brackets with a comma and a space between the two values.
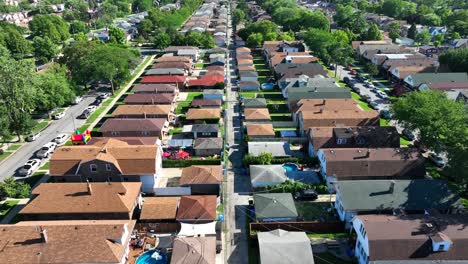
[349, 68]
[354, 72]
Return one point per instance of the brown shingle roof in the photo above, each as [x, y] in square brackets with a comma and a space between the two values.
[294, 70]
[326, 105]
[246, 68]
[139, 98]
[260, 130]
[205, 102]
[172, 64]
[197, 207]
[257, 114]
[278, 57]
[207, 174]
[159, 208]
[374, 162]
[194, 250]
[133, 124]
[154, 88]
[243, 49]
[244, 57]
[202, 113]
[123, 110]
[208, 143]
[410, 237]
[67, 242]
[102, 141]
[68, 198]
[174, 59]
[136, 160]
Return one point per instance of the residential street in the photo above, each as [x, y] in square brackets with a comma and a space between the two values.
[10, 165]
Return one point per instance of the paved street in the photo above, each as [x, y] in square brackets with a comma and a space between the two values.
[10, 165]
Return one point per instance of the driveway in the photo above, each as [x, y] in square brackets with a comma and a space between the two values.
[66, 125]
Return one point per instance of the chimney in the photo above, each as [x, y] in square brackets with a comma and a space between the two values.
[144, 115]
[88, 185]
[44, 235]
[368, 153]
[392, 187]
[324, 101]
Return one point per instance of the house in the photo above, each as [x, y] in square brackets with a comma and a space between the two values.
[174, 50]
[150, 99]
[257, 115]
[202, 180]
[352, 137]
[116, 161]
[194, 250]
[459, 43]
[437, 30]
[249, 86]
[194, 54]
[101, 141]
[144, 111]
[203, 103]
[197, 209]
[387, 196]
[304, 81]
[134, 127]
[202, 114]
[156, 88]
[297, 94]
[167, 71]
[245, 62]
[213, 94]
[259, 131]
[283, 46]
[275, 58]
[179, 81]
[279, 247]
[66, 242]
[265, 175]
[248, 76]
[174, 59]
[201, 130]
[401, 72]
[215, 68]
[277, 149]
[220, 41]
[243, 57]
[173, 64]
[207, 82]
[159, 209]
[411, 239]
[285, 70]
[83, 201]
[275, 207]
[255, 103]
[404, 41]
[422, 81]
[243, 51]
[208, 146]
[246, 68]
[370, 164]
[333, 113]
[239, 41]
[458, 96]
[217, 57]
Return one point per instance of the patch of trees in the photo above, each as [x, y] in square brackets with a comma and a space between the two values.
[51, 26]
[256, 33]
[331, 47]
[11, 37]
[456, 60]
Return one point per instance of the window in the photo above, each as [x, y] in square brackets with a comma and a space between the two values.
[125, 179]
[145, 133]
[341, 141]
[93, 167]
[360, 140]
[108, 167]
[109, 179]
[89, 179]
[441, 247]
[115, 133]
[363, 231]
[206, 134]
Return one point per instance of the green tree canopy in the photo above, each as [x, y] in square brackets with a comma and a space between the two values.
[53, 89]
[373, 33]
[423, 37]
[161, 40]
[44, 49]
[117, 35]
[51, 26]
[238, 16]
[456, 60]
[254, 40]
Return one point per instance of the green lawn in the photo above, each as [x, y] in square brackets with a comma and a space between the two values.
[278, 108]
[261, 66]
[45, 166]
[361, 102]
[328, 258]
[40, 126]
[404, 142]
[193, 95]
[384, 122]
[31, 181]
[14, 147]
[175, 131]
[312, 211]
[182, 108]
[4, 155]
[6, 207]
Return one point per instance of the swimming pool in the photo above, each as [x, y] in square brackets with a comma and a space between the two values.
[290, 167]
[267, 86]
[148, 258]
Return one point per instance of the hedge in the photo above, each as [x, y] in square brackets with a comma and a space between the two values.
[187, 163]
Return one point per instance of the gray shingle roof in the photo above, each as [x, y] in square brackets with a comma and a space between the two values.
[274, 205]
[280, 247]
[255, 102]
[208, 143]
[407, 194]
[420, 78]
[267, 174]
[277, 149]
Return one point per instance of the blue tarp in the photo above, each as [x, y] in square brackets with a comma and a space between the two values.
[288, 133]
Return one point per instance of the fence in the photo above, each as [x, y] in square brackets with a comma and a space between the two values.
[312, 227]
[295, 140]
[158, 227]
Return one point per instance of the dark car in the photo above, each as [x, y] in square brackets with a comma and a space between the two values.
[408, 134]
[84, 115]
[386, 114]
[306, 195]
[346, 80]
[331, 67]
[97, 102]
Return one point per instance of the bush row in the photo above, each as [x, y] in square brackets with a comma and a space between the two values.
[187, 163]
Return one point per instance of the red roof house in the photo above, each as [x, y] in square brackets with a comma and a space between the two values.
[206, 81]
[169, 79]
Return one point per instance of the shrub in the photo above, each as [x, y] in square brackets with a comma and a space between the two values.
[187, 163]
[292, 187]
[14, 189]
[263, 158]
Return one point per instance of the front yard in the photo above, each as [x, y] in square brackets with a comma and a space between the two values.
[6, 207]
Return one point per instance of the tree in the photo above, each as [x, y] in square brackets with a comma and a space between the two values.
[441, 123]
[51, 26]
[77, 26]
[117, 35]
[264, 158]
[254, 40]
[372, 69]
[80, 36]
[142, 5]
[456, 60]
[161, 40]
[145, 27]
[238, 16]
[394, 30]
[439, 39]
[373, 33]
[44, 49]
[412, 32]
[76, 10]
[16, 44]
[14, 189]
[17, 94]
[423, 37]
[431, 20]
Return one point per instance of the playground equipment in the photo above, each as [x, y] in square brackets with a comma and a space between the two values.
[81, 138]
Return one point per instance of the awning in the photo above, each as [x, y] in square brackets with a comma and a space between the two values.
[197, 229]
[180, 142]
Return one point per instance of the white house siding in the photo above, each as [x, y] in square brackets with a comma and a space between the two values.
[362, 242]
[249, 79]
[147, 183]
[345, 216]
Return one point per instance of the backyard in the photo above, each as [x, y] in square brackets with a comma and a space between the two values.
[314, 211]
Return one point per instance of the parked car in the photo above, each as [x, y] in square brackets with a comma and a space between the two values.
[60, 139]
[91, 108]
[32, 137]
[408, 134]
[386, 114]
[58, 116]
[308, 194]
[371, 86]
[382, 95]
[346, 80]
[353, 72]
[103, 95]
[366, 98]
[349, 68]
[357, 89]
[437, 160]
[77, 100]
[331, 67]
[84, 115]
[46, 150]
[374, 105]
[97, 102]
[417, 144]
[29, 167]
